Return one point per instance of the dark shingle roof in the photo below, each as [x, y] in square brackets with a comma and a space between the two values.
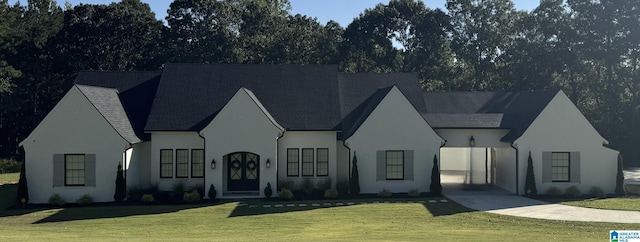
[298, 97]
[503, 110]
[123, 98]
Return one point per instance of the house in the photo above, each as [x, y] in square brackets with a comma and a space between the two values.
[240, 127]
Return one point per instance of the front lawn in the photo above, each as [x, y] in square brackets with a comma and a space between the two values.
[9, 178]
[629, 204]
[226, 221]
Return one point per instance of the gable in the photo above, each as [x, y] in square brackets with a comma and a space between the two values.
[393, 114]
[73, 117]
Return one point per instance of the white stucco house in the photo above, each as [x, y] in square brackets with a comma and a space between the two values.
[240, 127]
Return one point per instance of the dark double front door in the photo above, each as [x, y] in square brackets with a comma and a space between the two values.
[243, 171]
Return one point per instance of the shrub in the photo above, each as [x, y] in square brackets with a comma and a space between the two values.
[572, 191]
[384, 193]
[136, 193]
[120, 193]
[199, 189]
[212, 192]
[436, 185]
[620, 191]
[285, 194]
[553, 191]
[268, 191]
[307, 186]
[354, 183]
[343, 187]
[56, 200]
[596, 191]
[23, 189]
[530, 180]
[290, 185]
[147, 198]
[331, 193]
[85, 200]
[324, 184]
[191, 197]
[179, 187]
[414, 193]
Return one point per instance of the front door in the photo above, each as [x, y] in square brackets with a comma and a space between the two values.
[243, 172]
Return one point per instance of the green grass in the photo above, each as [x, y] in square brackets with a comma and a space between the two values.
[629, 204]
[386, 222]
[9, 178]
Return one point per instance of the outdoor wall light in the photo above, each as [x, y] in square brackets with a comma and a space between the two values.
[213, 163]
[268, 163]
[472, 141]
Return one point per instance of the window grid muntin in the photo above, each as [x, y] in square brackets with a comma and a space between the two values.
[166, 163]
[293, 165]
[307, 162]
[394, 165]
[74, 170]
[182, 163]
[197, 163]
[322, 162]
[560, 166]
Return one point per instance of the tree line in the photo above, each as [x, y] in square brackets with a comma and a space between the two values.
[590, 49]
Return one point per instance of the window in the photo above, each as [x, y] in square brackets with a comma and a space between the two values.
[395, 165]
[293, 162]
[197, 163]
[322, 162]
[182, 163]
[74, 170]
[166, 163]
[307, 162]
[560, 166]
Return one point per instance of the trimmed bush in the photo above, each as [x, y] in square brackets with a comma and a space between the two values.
[620, 191]
[191, 197]
[212, 192]
[331, 193]
[530, 180]
[354, 182]
[120, 193]
[268, 191]
[147, 198]
[285, 194]
[436, 185]
[199, 189]
[56, 200]
[23, 189]
[384, 193]
[290, 185]
[596, 191]
[324, 184]
[553, 191]
[572, 191]
[179, 187]
[307, 186]
[86, 199]
[414, 193]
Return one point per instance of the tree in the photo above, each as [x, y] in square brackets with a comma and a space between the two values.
[530, 180]
[121, 192]
[435, 187]
[23, 189]
[620, 178]
[212, 192]
[354, 182]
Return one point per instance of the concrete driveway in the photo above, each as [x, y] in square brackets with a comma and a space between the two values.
[495, 200]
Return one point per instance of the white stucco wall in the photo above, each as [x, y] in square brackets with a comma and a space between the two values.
[342, 163]
[241, 126]
[74, 126]
[505, 172]
[561, 127]
[174, 140]
[482, 137]
[138, 167]
[394, 125]
[307, 139]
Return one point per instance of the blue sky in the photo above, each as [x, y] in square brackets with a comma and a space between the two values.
[342, 11]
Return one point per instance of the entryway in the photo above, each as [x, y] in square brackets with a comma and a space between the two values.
[243, 172]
